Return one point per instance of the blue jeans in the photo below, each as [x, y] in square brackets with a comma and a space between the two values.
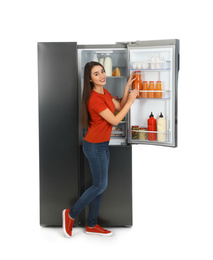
[98, 157]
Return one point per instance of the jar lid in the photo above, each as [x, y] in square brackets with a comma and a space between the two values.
[159, 81]
[151, 82]
[144, 128]
[145, 81]
[135, 126]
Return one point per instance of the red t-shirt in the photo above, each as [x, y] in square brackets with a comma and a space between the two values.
[99, 130]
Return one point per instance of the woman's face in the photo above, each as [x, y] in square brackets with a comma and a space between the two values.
[98, 76]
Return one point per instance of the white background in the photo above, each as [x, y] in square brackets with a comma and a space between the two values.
[172, 188]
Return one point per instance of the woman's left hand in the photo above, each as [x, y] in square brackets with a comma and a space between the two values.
[130, 81]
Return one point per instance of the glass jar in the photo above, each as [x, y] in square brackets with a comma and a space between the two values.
[142, 133]
[137, 83]
[134, 133]
[158, 93]
[145, 87]
[151, 93]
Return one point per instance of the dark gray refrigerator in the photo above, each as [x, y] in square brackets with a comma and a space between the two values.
[64, 171]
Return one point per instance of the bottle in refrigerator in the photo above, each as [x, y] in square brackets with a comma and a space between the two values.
[95, 58]
[158, 93]
[145, 87]
[151, 93]
[101, 61]
[161, 127]
[137, 83]
[108, 66]
[151, 127]
[157, 63]
[152, 63]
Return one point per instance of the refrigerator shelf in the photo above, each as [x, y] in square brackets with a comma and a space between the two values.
[116, 77]
[150, 65]
[122, 122]
[117, 133]
[145, 131]
[166, 94]
[150, 69]
[165, 136]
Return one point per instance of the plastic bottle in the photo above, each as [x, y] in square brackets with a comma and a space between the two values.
[151, 127]
[95, 58]
[161, 127]
[102, 60]
[108, 66]
[137, 83]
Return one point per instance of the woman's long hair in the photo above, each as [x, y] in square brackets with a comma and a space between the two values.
[88, 86]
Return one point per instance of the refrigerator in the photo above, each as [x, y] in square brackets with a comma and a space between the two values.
[64, 171]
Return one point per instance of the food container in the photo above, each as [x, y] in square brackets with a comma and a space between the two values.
[135, 134]
[151, 93]
[145, 87]
[158, 93]
[142, 133]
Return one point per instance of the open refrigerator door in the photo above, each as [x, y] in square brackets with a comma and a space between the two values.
[153, 116]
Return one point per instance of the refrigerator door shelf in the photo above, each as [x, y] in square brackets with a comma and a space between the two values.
[150, 65]
[166, 94]
[165, 136]
[116, 77]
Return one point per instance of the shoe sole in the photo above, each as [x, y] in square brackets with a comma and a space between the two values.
[63, 221]
[99, 234]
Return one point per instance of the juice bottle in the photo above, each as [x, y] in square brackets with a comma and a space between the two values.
[145, 87]
[161, 127]
[151, 127]
[158, 87]
[151, 93]
[137, 83]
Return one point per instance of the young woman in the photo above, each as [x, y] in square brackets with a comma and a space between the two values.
[98, 107]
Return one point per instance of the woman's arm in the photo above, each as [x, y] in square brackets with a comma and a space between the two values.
[120, 105]
[115, 120]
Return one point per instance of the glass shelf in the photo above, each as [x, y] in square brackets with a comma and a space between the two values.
[116, 77]
[117, 134]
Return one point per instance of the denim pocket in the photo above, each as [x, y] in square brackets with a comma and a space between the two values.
[86, 147]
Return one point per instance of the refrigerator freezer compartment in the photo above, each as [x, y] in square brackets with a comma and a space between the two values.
[150, 65]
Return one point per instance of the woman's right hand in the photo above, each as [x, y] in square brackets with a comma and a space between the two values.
[132, 96]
